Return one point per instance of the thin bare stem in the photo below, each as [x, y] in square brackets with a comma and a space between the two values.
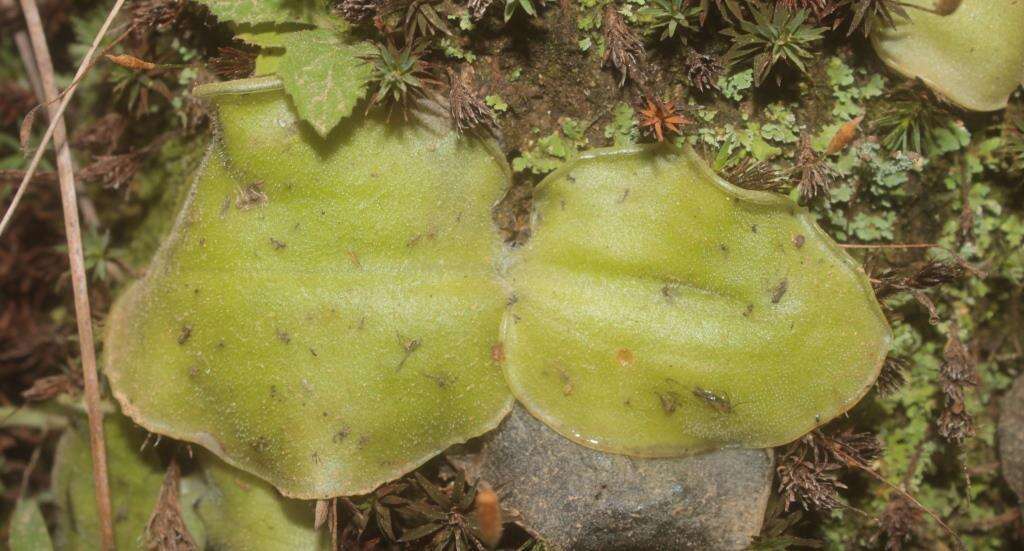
[28, 59]
[58, 114]
[891, 246]
[906, 495]
[79, 283]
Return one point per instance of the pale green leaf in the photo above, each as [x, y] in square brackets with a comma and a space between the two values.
[324, 76]
[662, 311]
[263, 11]
[240, 511]
[324, 312]
[135, 479]
[28, 529]
[974, 57]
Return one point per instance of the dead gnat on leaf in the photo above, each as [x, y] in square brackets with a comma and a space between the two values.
[251, 196]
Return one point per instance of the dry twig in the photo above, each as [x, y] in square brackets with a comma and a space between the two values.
[75, 254]
[59, 112]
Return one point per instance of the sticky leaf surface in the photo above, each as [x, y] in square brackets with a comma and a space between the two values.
[974, 57]
[323, 313]
[660, 311]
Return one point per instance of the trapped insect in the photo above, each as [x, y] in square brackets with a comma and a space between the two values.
[718, 402]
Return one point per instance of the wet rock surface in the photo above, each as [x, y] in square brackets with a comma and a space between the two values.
[1011, 437]
[581, 499]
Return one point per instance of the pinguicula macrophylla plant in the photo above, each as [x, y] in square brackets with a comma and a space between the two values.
[323, 314]
[971, 52]
[334, 305]
[662, 311]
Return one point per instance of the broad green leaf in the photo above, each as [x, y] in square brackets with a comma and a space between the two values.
[659, 310]
[135, 480]
[264, 36]
[223, 508]
[974, 57]
[324, 76]
[263, 11]
[28, 528]
[323, 314]
[241, 512]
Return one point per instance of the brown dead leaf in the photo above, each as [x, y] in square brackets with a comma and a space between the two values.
[846, 133]
[320, 516]
[131, 62]
[51, 387]
[25, 132]
[166, 530]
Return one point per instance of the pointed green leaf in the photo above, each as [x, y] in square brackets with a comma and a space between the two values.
[263, 11]
[28, 529]
[661, 311]
[240, 511]
[974, 57]
[324, 311]
[135, 479]
[324, 76]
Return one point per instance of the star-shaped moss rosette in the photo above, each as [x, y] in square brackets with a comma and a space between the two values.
[974, 57]
[660, 311]
[324, 311]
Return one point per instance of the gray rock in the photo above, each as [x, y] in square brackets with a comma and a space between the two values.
[580, 499]
[1011, 437]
